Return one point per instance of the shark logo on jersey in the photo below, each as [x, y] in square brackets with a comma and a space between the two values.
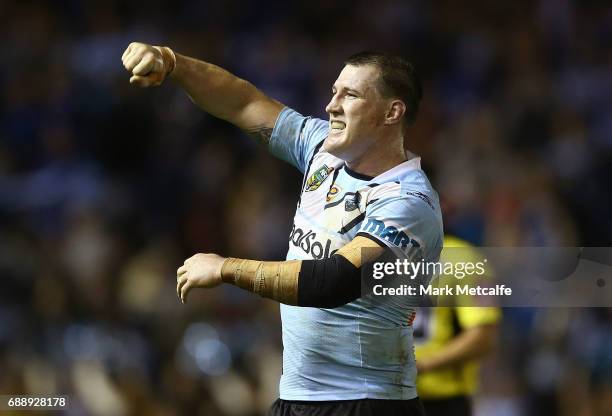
[351, 204]
[389, 233]
[317, 178]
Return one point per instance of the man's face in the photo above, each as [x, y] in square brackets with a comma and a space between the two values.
[356, 112]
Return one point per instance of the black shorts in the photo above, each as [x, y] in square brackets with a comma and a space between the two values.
[364, 407]
[453, 406]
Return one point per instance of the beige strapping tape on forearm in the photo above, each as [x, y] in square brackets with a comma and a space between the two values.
[276, 280]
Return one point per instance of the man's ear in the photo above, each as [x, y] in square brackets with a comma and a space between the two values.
[396, 111]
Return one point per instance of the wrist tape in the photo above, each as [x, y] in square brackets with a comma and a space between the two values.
[169, 59]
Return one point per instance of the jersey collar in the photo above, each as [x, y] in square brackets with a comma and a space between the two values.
[414, 163]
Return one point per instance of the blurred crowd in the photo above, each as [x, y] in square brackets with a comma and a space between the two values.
[106, 188]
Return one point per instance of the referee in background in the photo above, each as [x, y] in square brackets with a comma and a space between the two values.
[449, 342]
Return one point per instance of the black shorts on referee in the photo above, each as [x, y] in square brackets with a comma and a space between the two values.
[364, 407]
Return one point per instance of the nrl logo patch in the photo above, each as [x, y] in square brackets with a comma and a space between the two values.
[317, 178]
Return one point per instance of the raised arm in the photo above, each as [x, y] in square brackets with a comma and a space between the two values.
[210, 87]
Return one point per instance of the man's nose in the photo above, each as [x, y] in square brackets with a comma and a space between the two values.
[334, 106]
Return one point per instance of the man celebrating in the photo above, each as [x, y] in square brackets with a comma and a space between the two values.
[343, 354]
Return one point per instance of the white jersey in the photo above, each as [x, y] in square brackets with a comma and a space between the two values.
[362, 349]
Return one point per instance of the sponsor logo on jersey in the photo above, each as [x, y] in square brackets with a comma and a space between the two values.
[318, 177]
[389, 233]
[333, 192]
[307, 241]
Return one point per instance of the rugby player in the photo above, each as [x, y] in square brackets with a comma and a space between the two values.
[343, 354]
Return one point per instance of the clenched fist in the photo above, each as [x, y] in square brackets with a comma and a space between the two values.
[149, 65]
[201, 270]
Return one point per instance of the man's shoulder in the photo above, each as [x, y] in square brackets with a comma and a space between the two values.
[404, 211]
[305, 125]
[412, 189]
[295, 138]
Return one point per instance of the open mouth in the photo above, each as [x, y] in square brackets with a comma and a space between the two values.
[337, 125]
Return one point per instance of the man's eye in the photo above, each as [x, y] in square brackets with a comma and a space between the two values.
[350, 94]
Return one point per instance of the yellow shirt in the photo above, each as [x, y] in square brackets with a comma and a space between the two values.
[436, 326]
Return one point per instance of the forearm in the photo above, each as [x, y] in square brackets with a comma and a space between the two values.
[222, 94]
[326, 283]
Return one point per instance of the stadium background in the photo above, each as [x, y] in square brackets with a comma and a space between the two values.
[106, 188]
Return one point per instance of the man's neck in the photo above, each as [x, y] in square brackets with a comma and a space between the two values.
[376, 162]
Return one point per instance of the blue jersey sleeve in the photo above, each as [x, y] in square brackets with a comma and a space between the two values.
[295, 137]
[405, 223]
